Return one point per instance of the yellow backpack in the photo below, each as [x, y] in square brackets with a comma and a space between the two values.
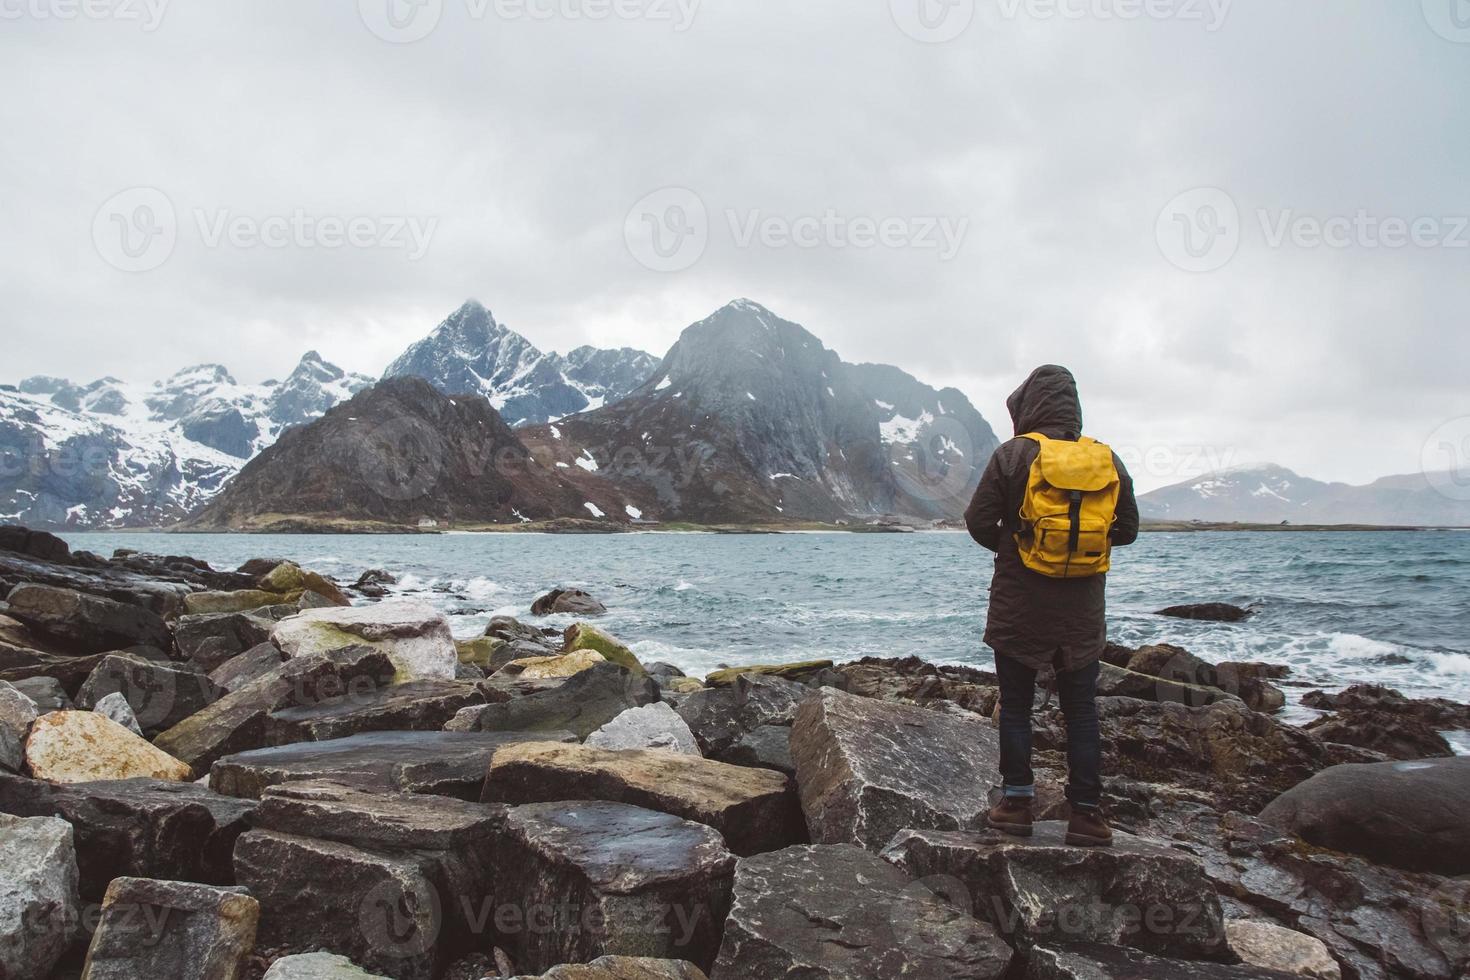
[1069, 507]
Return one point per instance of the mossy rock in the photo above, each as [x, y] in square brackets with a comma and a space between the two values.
[546, 668]
[241, 600]
[792, 672]
[479, 652]
[291, 577]
[583, 636]
[682, 685]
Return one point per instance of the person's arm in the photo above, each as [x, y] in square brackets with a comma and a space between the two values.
[1125, 528]
[986, 513]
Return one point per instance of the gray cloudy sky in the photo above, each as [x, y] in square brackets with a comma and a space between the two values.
[964, 188]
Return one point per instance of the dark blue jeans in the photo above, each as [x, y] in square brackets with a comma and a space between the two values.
[1078, 693]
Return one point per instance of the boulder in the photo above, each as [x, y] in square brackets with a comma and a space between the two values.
[414, 635]
[661, 671]
[512, 630]
[316, 842]
[83, 746]
[1409, 815]
[1271, 947]
[161, 695]
[1248, 681]
[721, 716]
[441, 763]
[46, 693]
[837, 912]
[415, 706]
[573, 601]
[1215, 612]
[116, 707]
[799, 672]
[39, 905]
[1437, 713]
[510, 652]
[1039, 890]
[238, 721]
[172, 929]
[584, 636]
[868, 769]
[1396, 736]
[142, 828]
[85, 623]
[1242, 757]
[479, 652]
[580, 704]
[17, 714]
[245, 667]
[766, 747]
[753, 809]
[564, 665]
[288, 577]
[586, 879]
[1092, 961]
[653, 726]
[236, 601]
[623, 968]
[211, 639]
[373, 582]
[318, 966]
[1120, 682]
[37, 544]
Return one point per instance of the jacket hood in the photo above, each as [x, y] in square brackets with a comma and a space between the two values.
[1047, 402]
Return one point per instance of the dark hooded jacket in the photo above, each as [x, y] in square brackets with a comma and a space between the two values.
[1041, 621]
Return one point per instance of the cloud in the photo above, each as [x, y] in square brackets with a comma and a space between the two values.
[523, 141]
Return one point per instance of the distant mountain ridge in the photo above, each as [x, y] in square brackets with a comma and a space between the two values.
[1271, 494]
[750, 418]
[471, 354]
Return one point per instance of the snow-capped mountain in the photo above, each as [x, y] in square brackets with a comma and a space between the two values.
[1270, 494]
[470, 353]
[750, 418]
[112, 454]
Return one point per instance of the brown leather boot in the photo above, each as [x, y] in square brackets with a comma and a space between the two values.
[1087, 828]
[1012, 815]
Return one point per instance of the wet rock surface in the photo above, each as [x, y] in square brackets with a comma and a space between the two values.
[1092, 961]
[573, 601]
[754, 810]
[837, 912]
[642, 883]
[423, 705]
[580, 704]
[867, 769]
[1215, 612]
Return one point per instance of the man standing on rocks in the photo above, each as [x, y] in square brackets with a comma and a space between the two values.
[1051, 505]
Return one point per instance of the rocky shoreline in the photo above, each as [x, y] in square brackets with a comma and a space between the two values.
[264, 773]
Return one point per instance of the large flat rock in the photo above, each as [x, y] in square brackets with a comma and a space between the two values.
[379, 821]
[141, 828]
[586, 879]
[237, 721]
[84, 746]
[415, 635]
[753, 809]
[39, 905]
[422, 705]
[837, 912]
[1039, 890]
[86, 623]
[441, 763]
[867, 769]
[1410, 815]
[580, 704]
[172, 929]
